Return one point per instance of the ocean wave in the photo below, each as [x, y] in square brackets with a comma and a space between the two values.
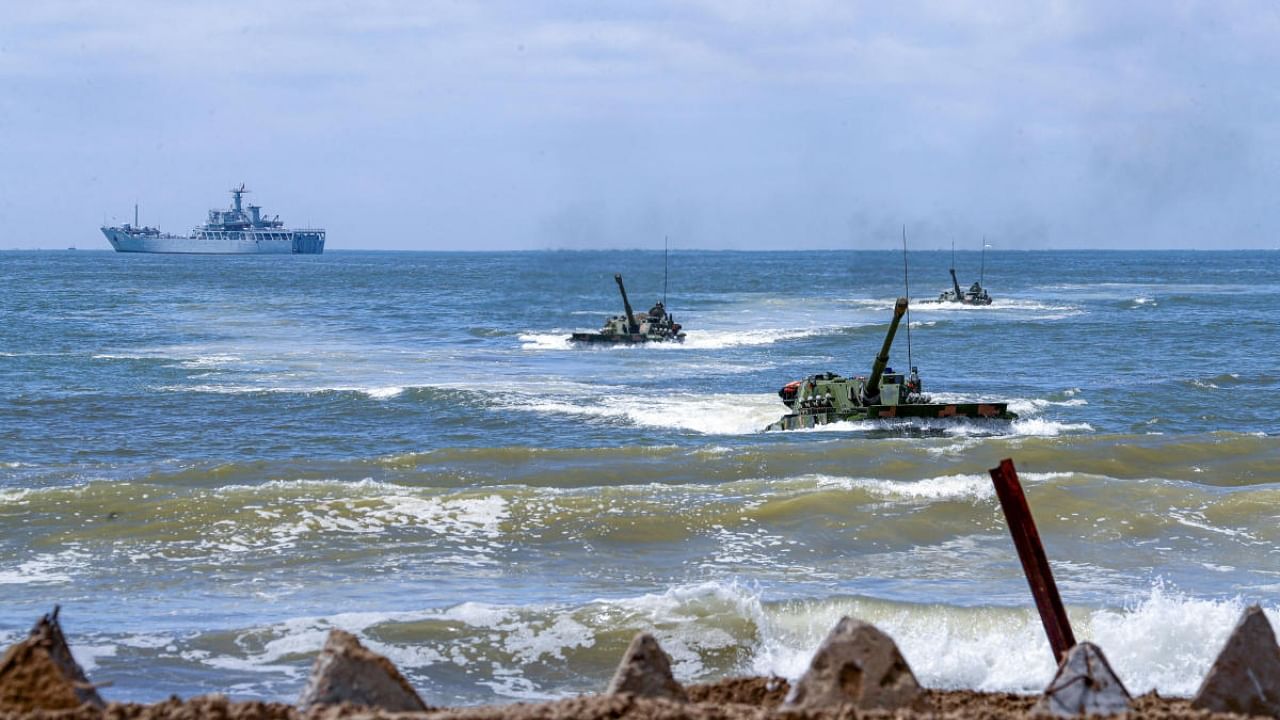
[1030, 406]
[1161, 641]
[386, 392]
[737, 516]
[1040, 427]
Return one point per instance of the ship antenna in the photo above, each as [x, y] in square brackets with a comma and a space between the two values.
[665, 251]
[135, 214]
[906, 286]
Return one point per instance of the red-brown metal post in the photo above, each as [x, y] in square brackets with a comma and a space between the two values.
[1035, 565]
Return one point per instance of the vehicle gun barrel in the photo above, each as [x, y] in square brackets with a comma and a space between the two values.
[956, 283]
[872, 388]
[632, 326]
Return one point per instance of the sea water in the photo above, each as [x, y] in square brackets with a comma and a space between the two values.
[210, 462]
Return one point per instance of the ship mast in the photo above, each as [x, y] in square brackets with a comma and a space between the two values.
[236, 193]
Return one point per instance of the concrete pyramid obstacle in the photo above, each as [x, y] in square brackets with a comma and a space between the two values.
[39, 673]
[348, 672]
[645, 671]
[856, 665]
[1245, 678]
[1084, 685]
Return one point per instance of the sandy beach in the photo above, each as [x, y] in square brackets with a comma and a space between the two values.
[730, 699]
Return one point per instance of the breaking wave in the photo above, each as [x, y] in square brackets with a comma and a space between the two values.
[1161, 640]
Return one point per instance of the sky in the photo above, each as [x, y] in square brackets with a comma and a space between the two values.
[722, 124]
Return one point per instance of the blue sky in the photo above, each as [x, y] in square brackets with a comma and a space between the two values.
[746, 125]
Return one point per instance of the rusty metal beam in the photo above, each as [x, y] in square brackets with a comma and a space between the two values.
[1035, 565]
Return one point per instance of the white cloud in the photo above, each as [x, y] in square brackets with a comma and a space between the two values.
[506, 123]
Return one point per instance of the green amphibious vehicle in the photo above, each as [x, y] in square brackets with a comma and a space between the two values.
[657, 325]
[827, 397]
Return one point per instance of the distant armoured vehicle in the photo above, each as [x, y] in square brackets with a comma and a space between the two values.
[657, 325]
[827, 397]
[240, 230]
[975, 295]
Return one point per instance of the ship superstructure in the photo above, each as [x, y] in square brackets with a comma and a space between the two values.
[239, 230]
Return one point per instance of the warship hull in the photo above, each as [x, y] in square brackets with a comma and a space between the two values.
[233, 243]
[814, 418]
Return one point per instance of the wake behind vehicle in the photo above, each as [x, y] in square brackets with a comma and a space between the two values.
[827, 397]
[657, 325]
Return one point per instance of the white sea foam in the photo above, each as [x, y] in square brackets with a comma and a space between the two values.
[376, 392]
[545, 341]
[946, 487]
[1039, 427]
[710, 414]
[215, 361]
[87, 655]
[1030, 406]
[1163, 641]
[694, 340]
[1056, 310]
[462, 520]
[715, 340]
[45, 568]
[1167, 641]
[942, 488]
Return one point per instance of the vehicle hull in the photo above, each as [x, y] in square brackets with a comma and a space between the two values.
[246, 243]
[634, 339]
[819, 416]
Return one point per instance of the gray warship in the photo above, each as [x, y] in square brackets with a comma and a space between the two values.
[240, 230]
[657, 325]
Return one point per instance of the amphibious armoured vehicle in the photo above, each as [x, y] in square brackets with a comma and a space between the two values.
[975, 295]
[828, 397]
[657, 325]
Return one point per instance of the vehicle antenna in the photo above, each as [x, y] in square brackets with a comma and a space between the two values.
[982, 272]
[665, 250]
[953, 254]
[906, 286]
[135, 214]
